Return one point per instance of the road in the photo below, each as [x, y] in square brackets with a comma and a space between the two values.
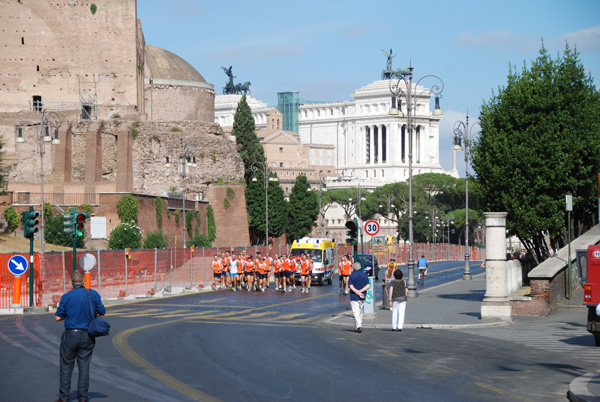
[221, 345]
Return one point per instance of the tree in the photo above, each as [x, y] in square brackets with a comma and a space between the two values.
[210, 221]
[54, 232]
[128, 208]
[12, 218]
[244, 131]
[540, 140]
[303, 209]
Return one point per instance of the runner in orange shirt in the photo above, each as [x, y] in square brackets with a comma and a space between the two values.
[347, 269]
[341, 273]
[276, 271]
[225, 277]
[216, 273]
[311, 265]
[249, 273]
[286, 272]
[262, 274]
[303, 272]
[269, 262]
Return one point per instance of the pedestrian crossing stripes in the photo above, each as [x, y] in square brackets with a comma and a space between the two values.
[242, 314]
[569, 338]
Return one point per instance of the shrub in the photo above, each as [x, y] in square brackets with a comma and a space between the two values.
[12, 218]
[158, 206]
[212, 226]
[155, 240]
[199, 240]
[175, 130]
[126, 235]
[87, 208]
[189, 217]
[128, 208]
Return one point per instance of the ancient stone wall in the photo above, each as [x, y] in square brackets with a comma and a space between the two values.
[58, 50]
[169, 102]
[230, 216]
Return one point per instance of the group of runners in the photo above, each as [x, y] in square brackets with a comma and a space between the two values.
[241, 271]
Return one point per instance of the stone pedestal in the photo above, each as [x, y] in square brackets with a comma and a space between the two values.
[495, 303]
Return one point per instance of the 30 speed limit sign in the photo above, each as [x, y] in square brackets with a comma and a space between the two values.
[371, 228]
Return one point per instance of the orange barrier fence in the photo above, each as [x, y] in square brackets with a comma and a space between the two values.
[120, 274]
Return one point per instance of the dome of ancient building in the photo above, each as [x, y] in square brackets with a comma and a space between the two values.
[164, 65]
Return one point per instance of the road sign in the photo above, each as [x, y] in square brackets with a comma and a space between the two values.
[371, 228]
[17, 265]
[87, 262]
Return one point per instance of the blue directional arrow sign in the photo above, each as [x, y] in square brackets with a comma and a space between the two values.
[17, 265]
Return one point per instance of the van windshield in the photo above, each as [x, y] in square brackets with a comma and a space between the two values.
[315, 254]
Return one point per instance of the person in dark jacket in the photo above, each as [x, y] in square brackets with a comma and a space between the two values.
[75, 343]
[398, 295]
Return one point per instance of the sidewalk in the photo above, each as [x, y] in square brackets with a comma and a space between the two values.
[452, 305]
[457, 305]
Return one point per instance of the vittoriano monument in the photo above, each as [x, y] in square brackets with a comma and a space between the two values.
[235, 89]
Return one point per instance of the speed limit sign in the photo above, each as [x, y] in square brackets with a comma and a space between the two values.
[371, 228]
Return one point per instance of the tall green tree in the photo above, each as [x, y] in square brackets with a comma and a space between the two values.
[540, 140]
[303, 209]
[244, 131]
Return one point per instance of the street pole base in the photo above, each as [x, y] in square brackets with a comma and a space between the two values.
[413, 293]
[467, 276]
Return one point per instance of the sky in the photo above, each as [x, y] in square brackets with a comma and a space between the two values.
[326, 49]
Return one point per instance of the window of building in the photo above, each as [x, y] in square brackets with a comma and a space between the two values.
[280, 150]
[37, 103]
[280, 164]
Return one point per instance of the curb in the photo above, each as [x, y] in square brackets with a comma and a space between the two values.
[578, 388]
[334, 321]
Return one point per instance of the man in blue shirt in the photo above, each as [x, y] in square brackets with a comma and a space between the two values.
[359, 284]
[75, 343]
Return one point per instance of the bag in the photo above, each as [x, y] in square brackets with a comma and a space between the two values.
[98, 326]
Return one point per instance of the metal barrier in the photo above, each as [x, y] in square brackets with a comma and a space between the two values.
[146, 272]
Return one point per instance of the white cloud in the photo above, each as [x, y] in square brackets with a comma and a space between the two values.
[587, 39]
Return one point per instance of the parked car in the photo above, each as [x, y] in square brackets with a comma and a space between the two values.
[369, 262]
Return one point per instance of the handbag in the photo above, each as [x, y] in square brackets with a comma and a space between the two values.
[98, 326]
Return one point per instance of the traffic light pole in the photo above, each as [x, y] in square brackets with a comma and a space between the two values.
[31, 269]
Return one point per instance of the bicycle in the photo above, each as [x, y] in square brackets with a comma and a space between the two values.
[421, 277]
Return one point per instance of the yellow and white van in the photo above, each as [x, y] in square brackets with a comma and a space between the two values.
[321, 251]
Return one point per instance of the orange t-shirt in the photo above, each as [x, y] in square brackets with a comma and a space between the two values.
[347, 268]
[262, 268]
[286, 264]
[216, 266]
[249, 266]
[304, 267]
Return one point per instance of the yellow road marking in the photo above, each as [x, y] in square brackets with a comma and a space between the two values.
[264, 313]
[387, 352]
[142, 313]
[434, 368]
[290, 316]
[500, 391]
[120, 342]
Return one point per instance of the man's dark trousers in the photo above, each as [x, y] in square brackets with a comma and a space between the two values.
[75, 345]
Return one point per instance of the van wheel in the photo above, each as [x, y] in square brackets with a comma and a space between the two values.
[321, 281]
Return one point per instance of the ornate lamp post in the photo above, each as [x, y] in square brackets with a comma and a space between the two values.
[401, 86]
[186, 157]
[264, 169]
[462, 130]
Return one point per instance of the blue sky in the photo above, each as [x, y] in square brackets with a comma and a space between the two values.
[326, 49]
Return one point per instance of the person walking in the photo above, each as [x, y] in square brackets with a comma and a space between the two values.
[359, 284]
[398, 296]
[75, 343]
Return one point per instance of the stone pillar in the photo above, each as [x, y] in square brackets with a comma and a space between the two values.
[124, 179]
[495, 303]
[380, 144]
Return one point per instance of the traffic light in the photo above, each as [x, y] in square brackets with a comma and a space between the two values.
[352, 233]
[80, 218]
[69, 223]
[30, 222]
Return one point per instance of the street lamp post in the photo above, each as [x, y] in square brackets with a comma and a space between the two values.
[322, 188]
[186, 157]
[407, 90]
[264, 169]
[449, 221]
[461, 129]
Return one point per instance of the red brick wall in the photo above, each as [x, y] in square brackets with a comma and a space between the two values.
[232, 223]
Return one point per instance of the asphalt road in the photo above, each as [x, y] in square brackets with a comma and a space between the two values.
[271, 346]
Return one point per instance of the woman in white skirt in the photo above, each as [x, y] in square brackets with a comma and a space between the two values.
[398, 293]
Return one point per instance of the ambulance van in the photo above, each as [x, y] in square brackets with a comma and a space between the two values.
[321, 251]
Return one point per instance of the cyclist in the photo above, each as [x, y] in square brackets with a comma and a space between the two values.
[423, 265]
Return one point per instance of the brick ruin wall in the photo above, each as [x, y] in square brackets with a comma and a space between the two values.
[40, 58]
